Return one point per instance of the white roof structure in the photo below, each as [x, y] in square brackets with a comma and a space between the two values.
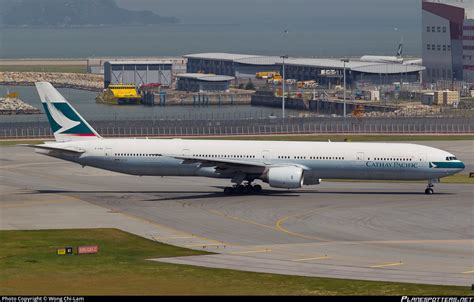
[259, 60]
[325, 63]
[205, 77]
[389, 68]
[219, 56]
[138, 62]
[355, 65]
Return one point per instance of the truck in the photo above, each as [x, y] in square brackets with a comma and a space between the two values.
[268, 75]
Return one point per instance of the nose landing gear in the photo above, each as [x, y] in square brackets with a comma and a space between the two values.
[430, 189]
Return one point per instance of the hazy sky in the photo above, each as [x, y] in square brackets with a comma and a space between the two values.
[290, 13]
[326, 28]
[377, 24]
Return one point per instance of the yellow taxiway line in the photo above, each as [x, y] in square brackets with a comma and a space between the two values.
[251, 252]
[177, 237]
[386, 265]
[205, 244]
[309, 259]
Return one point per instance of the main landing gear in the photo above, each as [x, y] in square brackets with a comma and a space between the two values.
[243, 189]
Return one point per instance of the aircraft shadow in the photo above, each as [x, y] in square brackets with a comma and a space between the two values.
[106, 192]
[265, 192]
[212, 195]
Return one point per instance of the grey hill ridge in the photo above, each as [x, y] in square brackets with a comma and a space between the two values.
[73, 13]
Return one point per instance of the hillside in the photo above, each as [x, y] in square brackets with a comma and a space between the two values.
[73, 13]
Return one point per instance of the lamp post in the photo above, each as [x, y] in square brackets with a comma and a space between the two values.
[345, 61]
[283, 86]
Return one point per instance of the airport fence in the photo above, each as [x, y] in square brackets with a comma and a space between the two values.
[144, 128]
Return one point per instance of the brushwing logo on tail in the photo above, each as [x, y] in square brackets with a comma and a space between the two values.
[60, 118]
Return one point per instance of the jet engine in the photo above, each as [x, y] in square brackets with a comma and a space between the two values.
[285, 177]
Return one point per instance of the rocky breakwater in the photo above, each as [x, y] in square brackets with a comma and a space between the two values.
[82, 81]
[408, 110]
[10, 106]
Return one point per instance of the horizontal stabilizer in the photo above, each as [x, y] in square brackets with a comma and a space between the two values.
[74, 150]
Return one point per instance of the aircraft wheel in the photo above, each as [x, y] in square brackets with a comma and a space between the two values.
[257, 189]
[429, 191]
[240, 189]
[228, 191]
[248, 189]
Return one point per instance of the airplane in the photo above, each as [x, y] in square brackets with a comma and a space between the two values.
[281, 164]
[386, 59]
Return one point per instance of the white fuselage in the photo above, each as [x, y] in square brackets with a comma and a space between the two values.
[381, 59]
[325, 160]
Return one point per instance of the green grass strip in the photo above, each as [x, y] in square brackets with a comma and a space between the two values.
[29, 266]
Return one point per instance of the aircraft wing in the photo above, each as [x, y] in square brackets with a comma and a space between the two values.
[223, 163]
[73, 150]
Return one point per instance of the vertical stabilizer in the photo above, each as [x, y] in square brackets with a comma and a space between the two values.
[65, 121]
[400, 49]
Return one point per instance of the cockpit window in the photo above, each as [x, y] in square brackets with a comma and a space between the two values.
[449, 158]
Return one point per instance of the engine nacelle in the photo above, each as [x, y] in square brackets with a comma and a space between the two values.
[286, 177]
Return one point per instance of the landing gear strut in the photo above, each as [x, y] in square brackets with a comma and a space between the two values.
[243, 189]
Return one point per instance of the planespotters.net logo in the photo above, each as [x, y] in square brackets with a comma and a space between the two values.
[437, 299]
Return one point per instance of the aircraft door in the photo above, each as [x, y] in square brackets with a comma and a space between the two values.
[360, 166]
[266, 157]
[186, 152]
[422, 157]
[108, 152]
[109, 155]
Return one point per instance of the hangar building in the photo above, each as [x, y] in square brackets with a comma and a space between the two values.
[138, 72]
[197, 82]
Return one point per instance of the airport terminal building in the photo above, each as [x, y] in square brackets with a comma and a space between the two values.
[229, 64]
[468, 51]
[327, 72]
[448, 40]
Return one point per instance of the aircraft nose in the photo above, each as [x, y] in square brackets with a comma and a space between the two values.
[462, 166]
